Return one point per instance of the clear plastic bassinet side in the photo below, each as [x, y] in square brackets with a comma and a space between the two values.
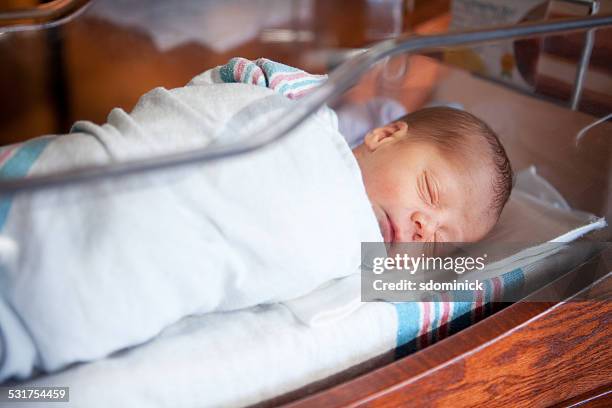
[340, 81]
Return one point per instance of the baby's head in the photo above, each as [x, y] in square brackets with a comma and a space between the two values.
[435, 175]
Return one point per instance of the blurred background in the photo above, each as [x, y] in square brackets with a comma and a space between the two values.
[90, 56]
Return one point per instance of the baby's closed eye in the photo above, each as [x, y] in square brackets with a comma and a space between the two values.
[427, 189]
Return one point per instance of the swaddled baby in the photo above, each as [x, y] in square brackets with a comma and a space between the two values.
[106, 265]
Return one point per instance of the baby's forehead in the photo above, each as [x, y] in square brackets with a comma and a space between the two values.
[466, 160]
[463, 146]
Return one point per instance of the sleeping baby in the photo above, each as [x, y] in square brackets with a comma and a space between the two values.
[436, 175]
[92, 268]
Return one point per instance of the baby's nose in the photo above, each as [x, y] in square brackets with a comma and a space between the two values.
[419, 232]
[417, 236]
[423, 230]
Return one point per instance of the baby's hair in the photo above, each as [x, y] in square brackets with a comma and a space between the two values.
[454, 130]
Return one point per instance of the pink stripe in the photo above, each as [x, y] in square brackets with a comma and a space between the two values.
[443, 329]
[497, 289]
[256, 76]
[287, 77]
[4, 156]
[497, 294]
[238, 70]
[297, 95]
[293, 77]
[424, 338]
[477, 313]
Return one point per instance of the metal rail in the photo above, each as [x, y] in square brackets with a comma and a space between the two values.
[45, 14]
[339, 81]
[585, 58]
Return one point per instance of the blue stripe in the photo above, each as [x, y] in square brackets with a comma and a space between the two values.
[227, 71]
[408, 321]
[247, 72]
[462, 316]
[17, 167]
[408, 325]
[409, 313]
[301, 83]
[513, 278]
[271, 67]
[22, 160]
[513, 282]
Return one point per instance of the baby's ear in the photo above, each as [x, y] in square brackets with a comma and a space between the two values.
[385, 134]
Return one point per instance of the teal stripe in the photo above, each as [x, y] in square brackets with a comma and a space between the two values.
[18, 166]
[408, 323]
[462, 315]
[227, 71]
[5, 206]
[514, 278]
[409, 313]
[247, 72]
[22, 160]
[513, 282]
[271, 68]
[301, 83]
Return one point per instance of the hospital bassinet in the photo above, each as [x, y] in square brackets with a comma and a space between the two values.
[531, 352]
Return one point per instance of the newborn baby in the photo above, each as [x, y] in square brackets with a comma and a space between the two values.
[435, 175]
[92, 268]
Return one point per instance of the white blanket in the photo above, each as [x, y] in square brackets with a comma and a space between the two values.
[98, 267]
[227, 359]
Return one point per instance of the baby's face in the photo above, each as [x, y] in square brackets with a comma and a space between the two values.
[419, 195]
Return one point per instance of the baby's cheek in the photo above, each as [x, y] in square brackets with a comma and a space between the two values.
[390, 187]
[389, 190]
